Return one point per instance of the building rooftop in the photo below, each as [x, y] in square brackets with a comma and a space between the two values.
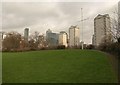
[49, 31]
[26, 28]
[72, 27]
[62, 32]
[101, 16]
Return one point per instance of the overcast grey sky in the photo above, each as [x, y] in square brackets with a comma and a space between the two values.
[57, 16]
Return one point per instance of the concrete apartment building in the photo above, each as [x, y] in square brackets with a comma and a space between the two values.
[26, 34]
[52, 38]
[74, 36]
[63, 38]
[102, 28]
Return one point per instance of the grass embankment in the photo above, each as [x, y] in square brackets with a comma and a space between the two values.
[57, 66]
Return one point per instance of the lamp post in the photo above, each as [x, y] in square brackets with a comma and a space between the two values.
[82, 27]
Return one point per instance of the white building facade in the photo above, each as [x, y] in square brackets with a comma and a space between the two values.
[101, 28]
[63, 38]
[74, 36]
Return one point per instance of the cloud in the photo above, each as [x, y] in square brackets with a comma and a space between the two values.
[25, 14]
[60, 0]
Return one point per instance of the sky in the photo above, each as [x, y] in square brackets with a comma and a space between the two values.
[53, 14]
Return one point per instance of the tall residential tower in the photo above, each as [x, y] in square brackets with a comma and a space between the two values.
[63, 38]
[74, 36]
[101, 28]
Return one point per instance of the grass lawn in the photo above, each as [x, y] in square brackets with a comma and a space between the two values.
[0, 67]
[57, 66]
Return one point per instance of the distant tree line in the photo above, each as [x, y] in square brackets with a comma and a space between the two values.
[15, 42]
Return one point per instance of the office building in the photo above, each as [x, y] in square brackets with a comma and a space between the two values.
[101, 28]
[52, 38]
[63, 38]
[74, 36]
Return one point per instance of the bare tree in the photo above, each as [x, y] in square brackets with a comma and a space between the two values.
[32, 44]
[115, 25]
[36, 36]
[42, 42]
[12, 41]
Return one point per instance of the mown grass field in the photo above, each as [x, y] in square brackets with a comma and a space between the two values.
[57, 66]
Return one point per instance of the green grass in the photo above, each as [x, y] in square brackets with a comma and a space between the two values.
[0, 67]
[57, 66]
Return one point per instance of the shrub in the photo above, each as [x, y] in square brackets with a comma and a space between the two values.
[113, 48]
[61, 47]
[90, 47]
